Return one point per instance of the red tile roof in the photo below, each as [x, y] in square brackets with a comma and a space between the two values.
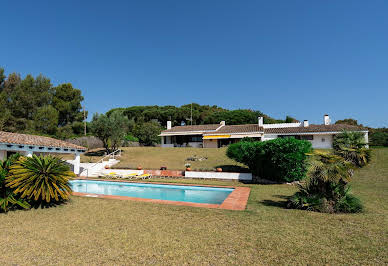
[210, 127]
[313, 128]
[247, 128]
[252, 128]
[25, 139]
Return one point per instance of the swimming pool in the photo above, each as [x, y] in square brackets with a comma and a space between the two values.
[194, 194]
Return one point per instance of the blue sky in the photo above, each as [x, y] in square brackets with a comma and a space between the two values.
[301, 58]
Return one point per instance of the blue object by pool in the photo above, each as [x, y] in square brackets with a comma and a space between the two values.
[211, 195]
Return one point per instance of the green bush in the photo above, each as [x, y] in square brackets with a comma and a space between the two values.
[8, 199]
[281, 159]
[327, 187]
[131, 138]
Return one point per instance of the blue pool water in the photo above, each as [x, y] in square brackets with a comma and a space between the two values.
[211, 195]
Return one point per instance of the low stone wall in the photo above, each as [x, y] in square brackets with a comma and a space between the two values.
[219, 175]
[184, 174]
[172, 173]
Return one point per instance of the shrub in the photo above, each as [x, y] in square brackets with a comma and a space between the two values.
[41, 180]
[282, 159]
[8, 199]
[326, 188]
[352, 147]
[379, 137]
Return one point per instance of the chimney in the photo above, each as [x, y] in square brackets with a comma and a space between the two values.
[305, 123]
[222, 123]
[168, 124]
[260, 121]
[326, 120]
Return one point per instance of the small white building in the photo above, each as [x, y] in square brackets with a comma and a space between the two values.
[25, 144]
[219, 135]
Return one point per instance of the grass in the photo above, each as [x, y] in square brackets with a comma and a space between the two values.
[103, 231]
[172, 158]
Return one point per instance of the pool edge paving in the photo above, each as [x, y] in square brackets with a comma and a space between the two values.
[236, 200]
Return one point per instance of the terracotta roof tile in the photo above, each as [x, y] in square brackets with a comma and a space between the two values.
[210, 127]
[247, 128]
[313, 128]
[17, 138]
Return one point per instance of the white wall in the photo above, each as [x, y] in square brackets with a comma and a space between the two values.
[269, 137]
[219, 175]
[319, 144]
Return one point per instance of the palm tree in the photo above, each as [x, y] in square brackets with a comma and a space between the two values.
[352, 147]
[41, 179]
[7, 197]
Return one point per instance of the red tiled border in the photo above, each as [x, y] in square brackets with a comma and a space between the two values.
[237, 200]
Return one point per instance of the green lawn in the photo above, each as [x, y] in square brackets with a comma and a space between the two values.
[102, 231]
[172, 158]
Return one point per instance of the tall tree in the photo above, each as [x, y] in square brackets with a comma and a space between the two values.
[46, 120]
[348, 121]
[67, 100]
[111, 129]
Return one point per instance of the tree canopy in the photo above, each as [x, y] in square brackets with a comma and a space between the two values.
[201, 114]
[34, 105]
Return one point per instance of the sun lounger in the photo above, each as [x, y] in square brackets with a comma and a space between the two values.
[129, 176]
[144, 176]
[112, 175]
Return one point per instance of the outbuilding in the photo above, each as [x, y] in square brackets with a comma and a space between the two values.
[26, 144]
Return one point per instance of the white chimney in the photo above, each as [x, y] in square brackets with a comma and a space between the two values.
[305, 123]
[168, 124]
[222, 123]
[260, 121]
[326, 120]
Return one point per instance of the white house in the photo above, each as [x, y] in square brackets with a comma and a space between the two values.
[27, 145]
[219, 135]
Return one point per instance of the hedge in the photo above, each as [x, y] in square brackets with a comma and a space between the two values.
[281, 159]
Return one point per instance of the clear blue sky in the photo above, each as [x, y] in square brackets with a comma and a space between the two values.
[302, 58]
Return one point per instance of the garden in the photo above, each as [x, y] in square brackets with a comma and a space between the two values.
[274, 229]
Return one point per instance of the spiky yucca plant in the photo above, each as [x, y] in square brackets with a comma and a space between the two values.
[8, 199]
[40, 178]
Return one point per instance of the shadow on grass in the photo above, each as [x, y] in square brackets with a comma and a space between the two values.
[46, 205]
[100, 152]
[281, 203]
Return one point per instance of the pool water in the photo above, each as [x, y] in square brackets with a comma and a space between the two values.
[196, 194]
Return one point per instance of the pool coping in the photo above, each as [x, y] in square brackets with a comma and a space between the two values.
[237, 200]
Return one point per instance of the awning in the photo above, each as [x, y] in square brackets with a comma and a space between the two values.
[216, 137]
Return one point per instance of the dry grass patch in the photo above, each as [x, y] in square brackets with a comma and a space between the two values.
[172, 158]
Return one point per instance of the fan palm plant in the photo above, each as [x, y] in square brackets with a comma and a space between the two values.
[352, 147]
[326, 188]
[7, 197]
[42, 179]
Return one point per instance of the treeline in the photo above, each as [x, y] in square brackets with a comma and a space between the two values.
[143, 124]
[200, 114]
[33, 105]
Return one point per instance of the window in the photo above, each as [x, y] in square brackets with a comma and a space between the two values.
[323, 139]
[195, 139]
[307, 137]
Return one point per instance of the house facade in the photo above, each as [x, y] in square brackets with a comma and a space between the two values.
[27, 145]
[220, 135]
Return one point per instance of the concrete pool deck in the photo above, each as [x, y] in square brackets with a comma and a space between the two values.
[237, 199]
